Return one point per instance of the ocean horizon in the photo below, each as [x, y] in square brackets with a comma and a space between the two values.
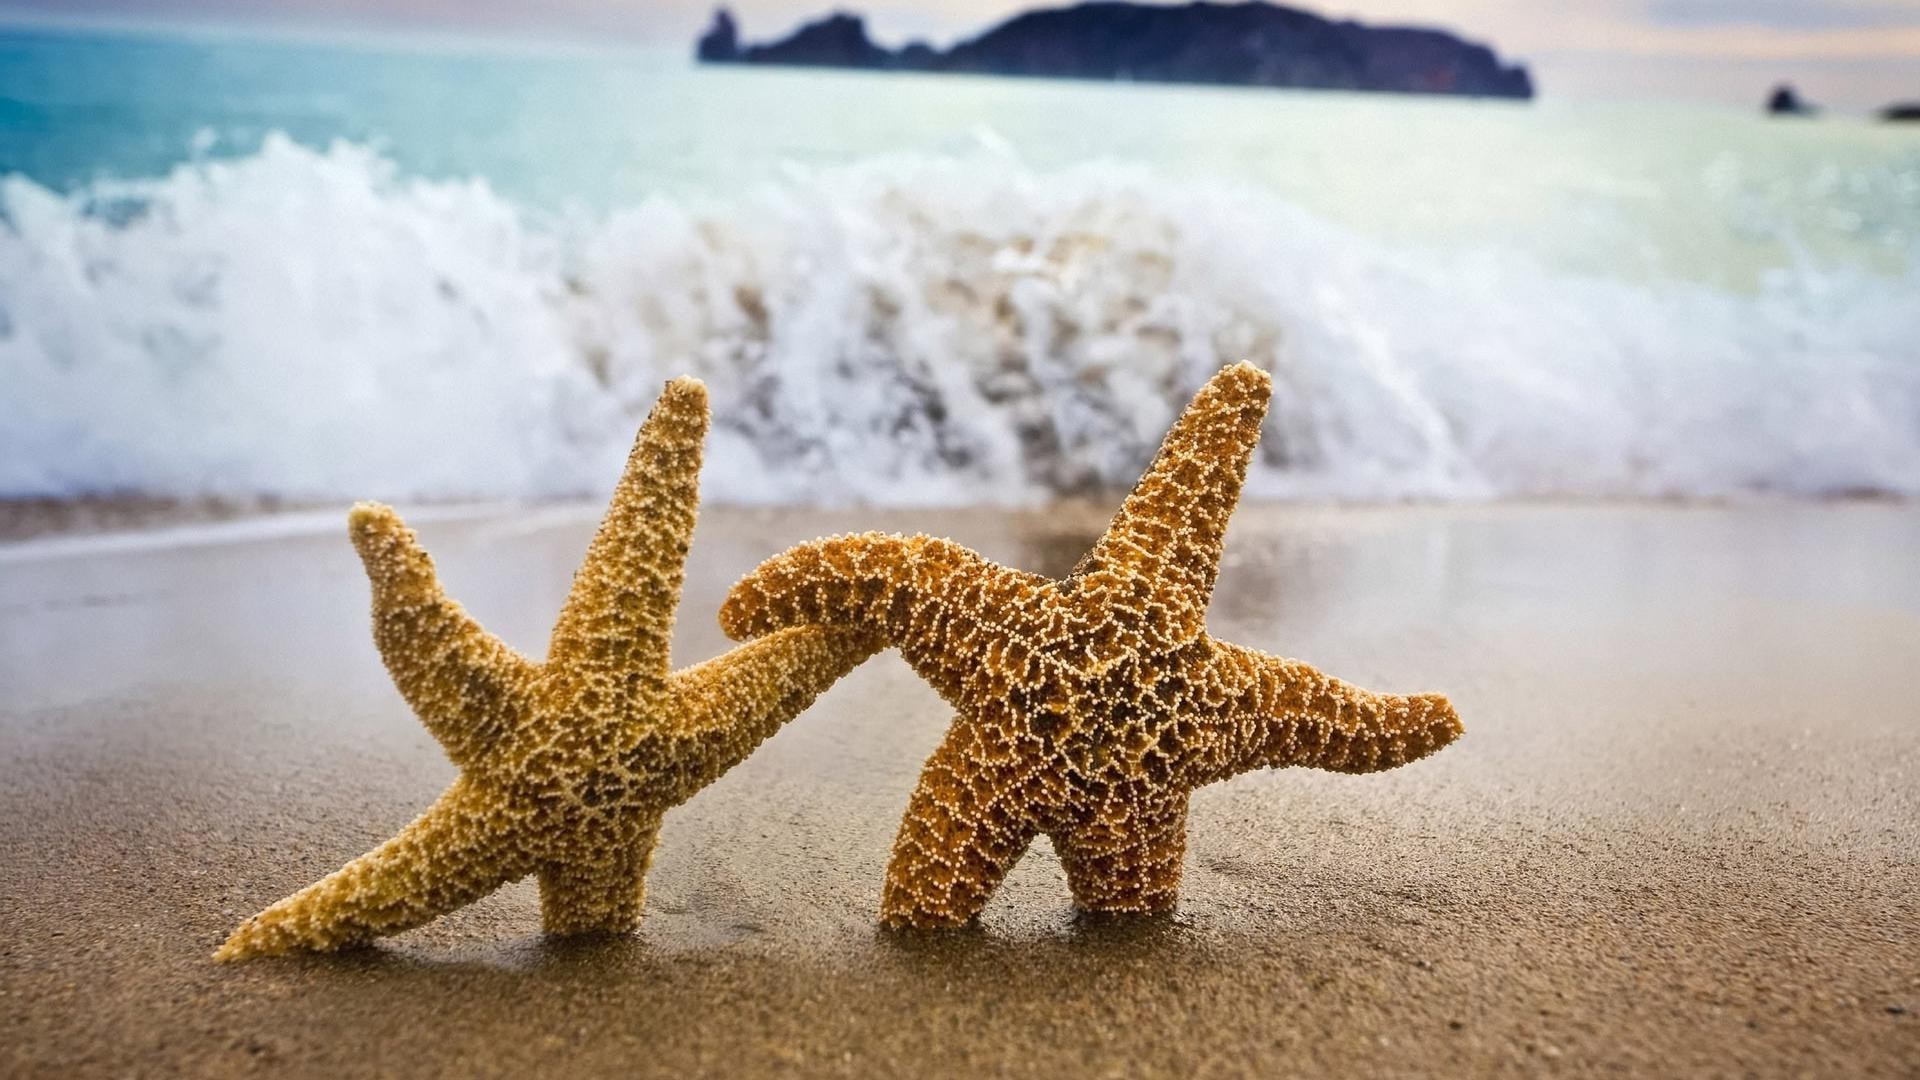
[245, 269]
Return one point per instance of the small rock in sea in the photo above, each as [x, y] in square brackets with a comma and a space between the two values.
[1786, 101]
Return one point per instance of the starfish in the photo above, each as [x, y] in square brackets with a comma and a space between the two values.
[566, 766]
[1090, 707]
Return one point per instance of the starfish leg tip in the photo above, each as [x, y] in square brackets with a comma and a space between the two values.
[373, 526]
[369, 516]
[1247, 370]
[686, 388]
[1445, 721]
[682, 407]
[1248, 381]
[736, 620]
[242, 944]
[907, 922]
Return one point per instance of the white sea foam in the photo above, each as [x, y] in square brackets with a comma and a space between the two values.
[308, 324]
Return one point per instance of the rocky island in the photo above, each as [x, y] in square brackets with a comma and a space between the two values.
[1243, 44]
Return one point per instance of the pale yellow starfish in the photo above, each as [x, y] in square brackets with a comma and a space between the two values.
[568, 765]
[1088, 707]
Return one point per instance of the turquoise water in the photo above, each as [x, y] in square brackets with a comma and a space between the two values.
[913, 288]
[1695, 191]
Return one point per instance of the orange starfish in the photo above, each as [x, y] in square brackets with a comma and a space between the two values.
[1090, 707]
[566, 766]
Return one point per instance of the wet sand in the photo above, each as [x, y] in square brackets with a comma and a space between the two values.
[1680, 836]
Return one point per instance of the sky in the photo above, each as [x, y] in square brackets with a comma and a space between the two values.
[1847, 53]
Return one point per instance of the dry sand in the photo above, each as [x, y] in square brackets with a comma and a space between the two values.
[1679, 837]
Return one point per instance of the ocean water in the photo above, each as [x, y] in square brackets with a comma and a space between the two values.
[248, 268]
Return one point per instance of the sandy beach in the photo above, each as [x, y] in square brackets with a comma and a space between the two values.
[1679, 837]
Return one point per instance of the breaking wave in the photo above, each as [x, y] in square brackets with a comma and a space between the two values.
[308, 324]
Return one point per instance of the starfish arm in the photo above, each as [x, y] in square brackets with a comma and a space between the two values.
[1128, 860]
[734, 702]
[450, 856]
[1287, 713]
[1172, 527]
[618, 619]
[964, 828]
[600, 892]
[938, 601]
[467, 686]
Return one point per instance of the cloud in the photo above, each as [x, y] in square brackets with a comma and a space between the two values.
[1733, 30]
[1786, 14]
[1699, 36]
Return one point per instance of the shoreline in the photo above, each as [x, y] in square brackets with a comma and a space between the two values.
[30, 524]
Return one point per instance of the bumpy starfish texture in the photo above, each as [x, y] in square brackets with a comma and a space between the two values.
[566, 766]
[1090, 707]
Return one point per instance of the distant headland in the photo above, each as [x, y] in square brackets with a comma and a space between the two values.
[1243, 44]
